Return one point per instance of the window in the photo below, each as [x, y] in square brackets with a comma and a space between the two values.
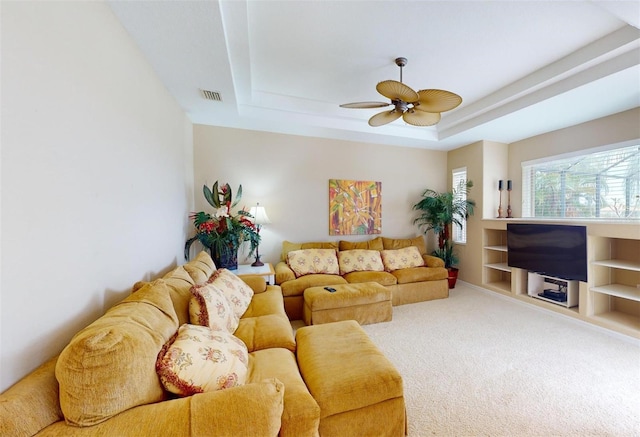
[600, 183]
[459, 179]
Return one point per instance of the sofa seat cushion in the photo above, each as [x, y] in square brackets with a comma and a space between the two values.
[420, 274]
[264, 332]
[298, 286]
[301, 415]
[266, 303]
[382, 278]
[109, 366]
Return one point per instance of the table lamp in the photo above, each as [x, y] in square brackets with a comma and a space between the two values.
[260, 218]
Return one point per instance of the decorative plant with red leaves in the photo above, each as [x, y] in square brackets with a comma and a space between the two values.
[223, 232]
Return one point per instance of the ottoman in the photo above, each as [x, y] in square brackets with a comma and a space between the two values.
[358, 389]
[367, 302]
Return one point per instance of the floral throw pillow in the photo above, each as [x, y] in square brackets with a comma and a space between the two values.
[311, 261]
[401, 258]
[200, 360]
[359, 260]
[209, 307]
[237, 292]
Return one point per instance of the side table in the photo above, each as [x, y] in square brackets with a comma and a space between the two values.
[266, 270]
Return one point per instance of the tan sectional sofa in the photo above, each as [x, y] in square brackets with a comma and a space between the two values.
[105, 383]
[407, 285]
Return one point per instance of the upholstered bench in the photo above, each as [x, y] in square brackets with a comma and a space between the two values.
[358, 389]
[367, 302]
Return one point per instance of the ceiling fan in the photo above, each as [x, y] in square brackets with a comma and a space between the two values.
[420, 108]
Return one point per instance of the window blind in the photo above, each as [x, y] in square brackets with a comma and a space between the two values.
[459, 178]
[601, 184]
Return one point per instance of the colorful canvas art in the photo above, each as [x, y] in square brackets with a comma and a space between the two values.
[355, 207]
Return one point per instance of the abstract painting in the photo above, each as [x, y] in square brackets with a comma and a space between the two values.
[355, 207]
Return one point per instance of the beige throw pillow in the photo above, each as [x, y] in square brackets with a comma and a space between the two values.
[209, 307]
[313, 261]
[237, 292]
[200, 360]
[401, 258]
[360, 260]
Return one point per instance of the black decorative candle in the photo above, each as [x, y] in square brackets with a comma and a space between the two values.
[509, 185]
[500, 185]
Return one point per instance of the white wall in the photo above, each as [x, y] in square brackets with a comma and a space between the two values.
[289, 175]
[97, 172]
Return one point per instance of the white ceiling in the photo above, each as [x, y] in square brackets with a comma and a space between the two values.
[522, 67]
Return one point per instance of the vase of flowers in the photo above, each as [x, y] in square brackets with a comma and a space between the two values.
[222, 232]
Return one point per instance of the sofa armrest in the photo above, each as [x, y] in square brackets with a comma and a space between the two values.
[257, 283]
[251, 409]
[284, 273]
[433, 261]
[31, 404]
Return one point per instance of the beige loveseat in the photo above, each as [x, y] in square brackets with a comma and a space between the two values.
[407, 285]
[105, 383]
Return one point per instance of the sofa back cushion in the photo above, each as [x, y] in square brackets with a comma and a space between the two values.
[313, 261]
[401, 243]
[359, 260]
[109, 366]
[375, 244]
[201, 267]
[288, 246]
[401, 258]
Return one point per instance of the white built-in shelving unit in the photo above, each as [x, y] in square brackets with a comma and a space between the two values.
[610, 298]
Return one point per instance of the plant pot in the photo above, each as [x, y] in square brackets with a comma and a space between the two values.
[225, 260]
[453, 277]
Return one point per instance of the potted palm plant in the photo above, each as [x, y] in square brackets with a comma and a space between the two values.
[438, 211]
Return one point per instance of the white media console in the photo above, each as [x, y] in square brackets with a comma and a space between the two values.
[554, 290]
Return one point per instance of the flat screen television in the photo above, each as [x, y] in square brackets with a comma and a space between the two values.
[553, 250]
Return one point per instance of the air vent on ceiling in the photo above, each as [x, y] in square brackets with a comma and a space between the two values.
[212, 95]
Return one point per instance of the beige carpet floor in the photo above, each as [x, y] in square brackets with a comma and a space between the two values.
[480, 364]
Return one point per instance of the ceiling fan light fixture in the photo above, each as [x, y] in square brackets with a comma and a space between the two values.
[429, 103]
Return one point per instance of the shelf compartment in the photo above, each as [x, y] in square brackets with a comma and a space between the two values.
[500, 285]
[496, 248]
[619, 290]
[499, 266]
[618, 264]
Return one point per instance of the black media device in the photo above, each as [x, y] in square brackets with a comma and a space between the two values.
[553, 250]
[330, 289]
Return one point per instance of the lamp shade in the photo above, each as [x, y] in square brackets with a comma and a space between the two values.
[259, 214]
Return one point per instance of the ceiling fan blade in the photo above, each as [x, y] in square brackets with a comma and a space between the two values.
[364, 105]
[384, 117]
[437, 100]
[395, 90]
[421, 118]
